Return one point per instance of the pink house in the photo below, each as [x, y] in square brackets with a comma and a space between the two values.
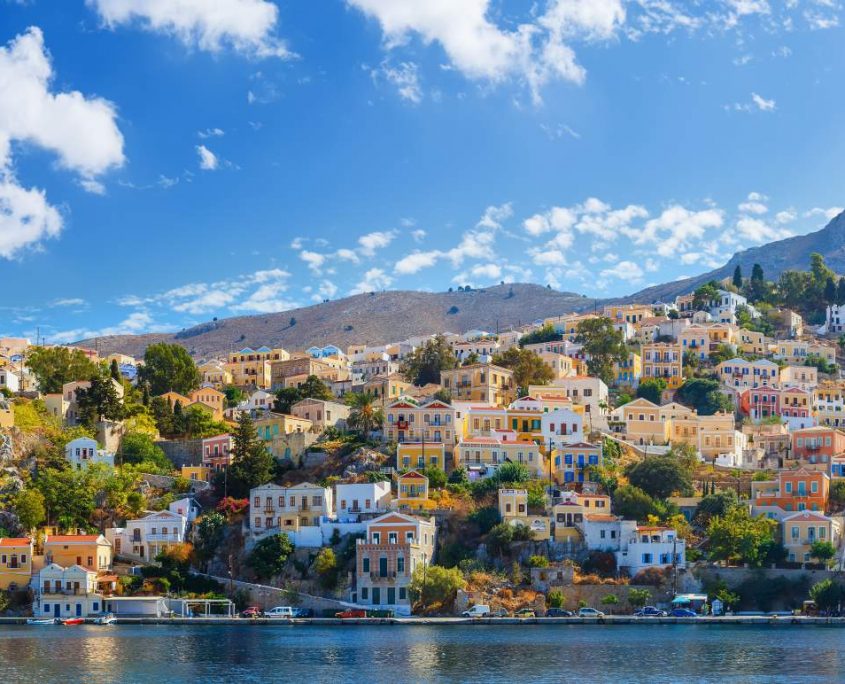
[216, 451]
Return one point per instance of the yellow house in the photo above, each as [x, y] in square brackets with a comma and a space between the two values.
[413, 492]
[663, 360]
[173, 397]
[643, 423]
[797, 351]
[215, 373]
[630, 371]
[802, 529]
[480, 382]
[494, 451]
[201, 473]
[513, 503]
[407, 420]
[91, 551]
[15, 562]
[753, 342]
[388, 388]
[561, 365]
[251, 367]
[482, 420]
[270, 425]
[629, 313]
[420, 455]
[208, 396]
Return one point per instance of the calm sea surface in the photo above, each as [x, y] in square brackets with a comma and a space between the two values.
[300, 654]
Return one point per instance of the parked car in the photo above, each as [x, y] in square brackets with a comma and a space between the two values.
[590, 613]
[383, 613]
[279, 612]
[251, 612]
[352, 613]
[650, 611]
[477, 611]
[683, 612]
[525, 613]
[303, 613]
[500, 613]
[559, 612]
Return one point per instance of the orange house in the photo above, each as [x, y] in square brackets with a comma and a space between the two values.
[818, 445]
[794, 490]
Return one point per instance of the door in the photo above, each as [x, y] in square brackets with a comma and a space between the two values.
[376, 596]
[391, 595]
[78, 610]
[57, 610]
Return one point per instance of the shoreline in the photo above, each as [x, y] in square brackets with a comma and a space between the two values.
[610, 620]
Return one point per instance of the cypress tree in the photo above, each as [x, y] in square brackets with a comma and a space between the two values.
[737, 280]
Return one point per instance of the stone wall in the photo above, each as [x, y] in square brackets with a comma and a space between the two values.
[183, 452]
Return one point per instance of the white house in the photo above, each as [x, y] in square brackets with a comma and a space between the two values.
[322, 414]
[650, 547]
[146, 537]
[562, 426]
[9, 380]
[834, 320]
[296, 511]
[353, 500]
[67, 592]
[725, 306]
[83, 451]
[187, 507]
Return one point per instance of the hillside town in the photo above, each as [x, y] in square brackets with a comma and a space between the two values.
[664, 456]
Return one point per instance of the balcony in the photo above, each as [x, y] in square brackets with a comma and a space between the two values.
[174, 538]
[378, 577]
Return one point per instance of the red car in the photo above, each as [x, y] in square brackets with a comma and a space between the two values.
[252, 612]
[351, 613]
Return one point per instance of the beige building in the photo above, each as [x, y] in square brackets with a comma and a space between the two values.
[483, 383]
[409, 421]
[663, 360]
[804, 528]
[91, 551]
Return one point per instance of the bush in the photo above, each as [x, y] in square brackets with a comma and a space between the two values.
[269, 555]
[602, 562]
[638, 597]
[555, 599]
[538, 562]
[650, 576]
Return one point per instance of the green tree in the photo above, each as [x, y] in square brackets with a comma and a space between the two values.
[660, 476]
[325, 566]
[114, 371]
[555, 599]
[651, 389]
[528, 368]
[545, 333]
[364, 415]
[703, 395]
[837, 492]
[705, 295]
[737, 279]
[100, 401]
[511, 472]
[210, 530]
[737, 537]
[830, 291]
[69, 496]
[252, 464]
[139, 447]
[632, 503]
[827, 594]
[603, 345]
[840, 292]
[315, 388]
[424, 364]
[55, 366]
[28, 505]
[269, 555]
[716, 504]
[610, 600]
[234, 395]
[435, 586]
[822, 550]
[286, 398]
[637, 598]
[758, 288]
[169, 368]
[436, 477]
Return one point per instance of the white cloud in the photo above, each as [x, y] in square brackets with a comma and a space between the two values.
[490, 271]
[315, 260]
[377, 240]
[624, 270]
[418, 235]
[134, 324]
[763, 104]
[403, 76]
[81, 132]
[373, 280]
[753, 207]
[415, 262]
[829, 214]
[758, 231]
[547, 257]
[536, 52]
[348, 255]
[211, 133]
[69, 301]
[786, 216]
[247, 26]
[677, 228]
[208, 160]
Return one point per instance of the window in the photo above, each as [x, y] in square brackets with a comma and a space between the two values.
[400, 564]
[365, 568]
[365, 592]
[647, 559]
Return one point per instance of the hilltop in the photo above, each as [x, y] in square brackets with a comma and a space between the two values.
[362, 319]
[775, 257]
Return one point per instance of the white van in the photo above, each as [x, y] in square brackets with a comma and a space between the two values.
[477, 611]
[279, 612]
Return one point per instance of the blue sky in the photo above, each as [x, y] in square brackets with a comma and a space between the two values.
[163, 163]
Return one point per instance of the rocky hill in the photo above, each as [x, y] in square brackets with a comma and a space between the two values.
[775, 257]
[367, 318]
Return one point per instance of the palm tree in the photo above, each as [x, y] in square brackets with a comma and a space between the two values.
[365, 415]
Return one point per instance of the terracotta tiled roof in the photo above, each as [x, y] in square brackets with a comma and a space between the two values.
[66, 538]
[15, 541]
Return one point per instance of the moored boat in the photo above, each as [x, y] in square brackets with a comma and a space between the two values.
[41, 621]
[73, 621]
[107, 619]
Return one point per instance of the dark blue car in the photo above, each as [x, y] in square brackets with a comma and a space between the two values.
[683, 612]
[650, 611]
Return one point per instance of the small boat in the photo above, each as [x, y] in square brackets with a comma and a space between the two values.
[41, 621]
[73, 621]
[107, 619]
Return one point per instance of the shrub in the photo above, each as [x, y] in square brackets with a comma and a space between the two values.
[538, 562]
[650, 576]
[555, 599]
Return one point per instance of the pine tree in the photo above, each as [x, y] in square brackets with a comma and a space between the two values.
[252, 464]
[840, 292]
[830, 291]
[114, 370]
[737, 280]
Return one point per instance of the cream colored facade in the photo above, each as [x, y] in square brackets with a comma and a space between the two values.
[408, 421]
[215, 373]
[561, 365]
[490, 451]
[513, 503]
[663, 360]
[484, 383]
[802, 529]
[797, 351]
